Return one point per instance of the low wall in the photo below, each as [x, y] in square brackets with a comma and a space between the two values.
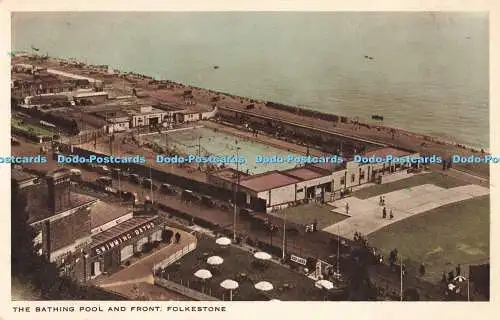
[176, 256]
[170, 285]
[163, 177]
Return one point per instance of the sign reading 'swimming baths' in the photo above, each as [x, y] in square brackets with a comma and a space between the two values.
[123, 238]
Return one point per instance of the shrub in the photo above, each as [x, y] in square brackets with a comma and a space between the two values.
[147, 247]
[166, 235]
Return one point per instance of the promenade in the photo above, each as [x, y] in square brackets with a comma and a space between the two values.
[366, 214]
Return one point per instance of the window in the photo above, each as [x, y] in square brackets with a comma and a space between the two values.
[353, 177]
[342, 180]
[300, 190]
[361, 175]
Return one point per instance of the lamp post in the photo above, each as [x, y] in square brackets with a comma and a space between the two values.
[236, 190]
[284, 234]
[401, 279]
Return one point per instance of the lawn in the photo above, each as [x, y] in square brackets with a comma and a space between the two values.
[238, 265]
[37, 130]
[454, 234]
[435, 178]
[307, 213]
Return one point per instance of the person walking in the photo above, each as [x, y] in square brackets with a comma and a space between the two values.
[347, 208]
[391, 215]
[384, 213]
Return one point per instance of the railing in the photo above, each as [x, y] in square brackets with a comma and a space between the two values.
[184, 289]
[174, 257]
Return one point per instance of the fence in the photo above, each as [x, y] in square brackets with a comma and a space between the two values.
[186, 291]
[174, 257]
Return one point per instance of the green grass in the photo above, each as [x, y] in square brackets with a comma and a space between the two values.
[454, 234]
[435, 178]
[37, 130]
[306, 213]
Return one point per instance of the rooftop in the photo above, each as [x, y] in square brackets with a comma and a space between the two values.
[120, 229]
[37, 204]
[21, 176]
[90, 94]
[143, 110]
[304, 173]
[112, 114]
[267, 181]
[332, 167]
[103, 213]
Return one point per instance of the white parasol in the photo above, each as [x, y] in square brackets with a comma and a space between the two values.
[264, 286]
[325, 284]
[223, 241]
[203, 274]
[229, 285]
[215, 260]
[460, 279]
[262, 255]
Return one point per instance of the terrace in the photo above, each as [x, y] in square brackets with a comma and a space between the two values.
[241, 266]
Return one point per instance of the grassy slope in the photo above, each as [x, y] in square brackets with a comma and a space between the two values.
[441, 238]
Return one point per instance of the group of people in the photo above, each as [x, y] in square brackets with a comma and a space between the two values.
[384, 214]
[384, 210]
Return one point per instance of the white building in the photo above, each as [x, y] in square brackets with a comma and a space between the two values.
[278, 189]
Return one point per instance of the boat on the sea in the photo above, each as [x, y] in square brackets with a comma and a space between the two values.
[377, 117]
[216, 67]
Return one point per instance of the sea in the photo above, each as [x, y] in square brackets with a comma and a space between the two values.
[426, 72]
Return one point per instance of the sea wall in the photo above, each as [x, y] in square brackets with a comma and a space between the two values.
[296, 132]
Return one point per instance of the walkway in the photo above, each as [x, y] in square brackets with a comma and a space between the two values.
[366, 215]
[126, 280]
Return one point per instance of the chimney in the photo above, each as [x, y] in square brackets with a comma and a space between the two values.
[58, 182]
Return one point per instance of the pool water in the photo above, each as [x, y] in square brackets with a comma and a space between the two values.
[211, 142]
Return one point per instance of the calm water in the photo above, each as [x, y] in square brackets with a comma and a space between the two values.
[429, 72]
[221, 144]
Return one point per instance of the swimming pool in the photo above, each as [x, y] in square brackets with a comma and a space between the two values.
[206, 141]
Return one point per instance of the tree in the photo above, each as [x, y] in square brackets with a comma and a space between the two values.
[166, 235]
[360, 286]
[147, 247]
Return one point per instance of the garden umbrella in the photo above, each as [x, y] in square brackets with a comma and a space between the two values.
[223, 241]
[262, 255]
[325, 284]
[215, 260]
[229, 285]
[264, 286]
[203, 274]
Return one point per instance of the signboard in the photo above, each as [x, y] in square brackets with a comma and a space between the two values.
[299, 260]
[123, 238]
[318, 269]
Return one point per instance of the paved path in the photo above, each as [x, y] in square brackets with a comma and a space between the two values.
[139, 273]
[366, 215]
